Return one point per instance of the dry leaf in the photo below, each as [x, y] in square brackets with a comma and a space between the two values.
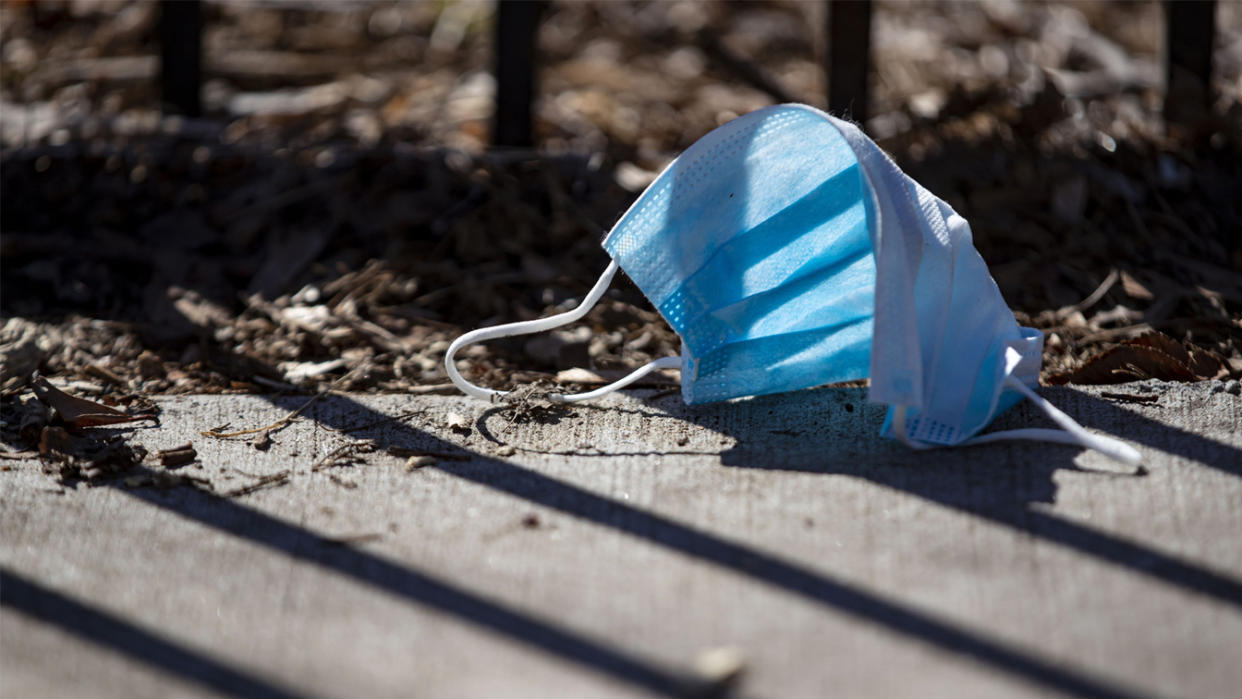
[1153, 355]
[79, 412]
[1203, 364]
[1208, 365]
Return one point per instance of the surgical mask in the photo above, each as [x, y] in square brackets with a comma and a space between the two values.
[788, 251]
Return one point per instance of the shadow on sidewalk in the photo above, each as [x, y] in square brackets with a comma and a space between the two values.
[104, 629]
[340, 412]
[997, 483]
[233, 518]
[999, 489]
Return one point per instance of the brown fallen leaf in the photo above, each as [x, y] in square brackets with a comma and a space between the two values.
[79, 412]
[1152, 355]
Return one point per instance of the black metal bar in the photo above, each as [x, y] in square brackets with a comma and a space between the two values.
[1189, 28]
[181, 32]
[849, 57]
[516, 57]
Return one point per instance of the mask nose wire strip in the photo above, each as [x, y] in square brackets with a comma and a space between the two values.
[1070, 433]
[527, 327]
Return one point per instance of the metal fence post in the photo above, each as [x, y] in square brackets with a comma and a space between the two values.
[849, 57]
[516, 55]
[1189, 30]
[181, 30]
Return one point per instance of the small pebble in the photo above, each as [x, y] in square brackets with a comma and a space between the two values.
[720, 667]
[262, 441]
[457, 423]
[506, 450]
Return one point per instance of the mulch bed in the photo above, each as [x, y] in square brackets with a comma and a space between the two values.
[335, 218]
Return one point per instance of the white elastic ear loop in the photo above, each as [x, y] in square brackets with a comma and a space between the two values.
[527, 327]
[1070, 433]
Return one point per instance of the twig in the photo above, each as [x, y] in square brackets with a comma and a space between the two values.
[742, 68]
[401, 452]
[264, 482]
[247, 474]
[334, 457]
[283, 422]
[349, 485]
[1131, 397]
[1094, 298]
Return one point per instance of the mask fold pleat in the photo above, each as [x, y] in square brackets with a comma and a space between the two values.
[790, 242]
[838, 293]
[831, 353]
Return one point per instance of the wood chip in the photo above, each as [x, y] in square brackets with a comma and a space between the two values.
[458, 423]
[416, 462]
[177, 456]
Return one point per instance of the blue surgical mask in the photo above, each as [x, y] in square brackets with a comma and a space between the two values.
[788, 251]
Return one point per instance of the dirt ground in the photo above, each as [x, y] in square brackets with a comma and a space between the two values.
[335, 218]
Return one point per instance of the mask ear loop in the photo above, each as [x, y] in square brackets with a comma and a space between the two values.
[527, 327]
[1070, 433]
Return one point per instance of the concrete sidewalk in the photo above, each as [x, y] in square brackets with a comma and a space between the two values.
[637, 547]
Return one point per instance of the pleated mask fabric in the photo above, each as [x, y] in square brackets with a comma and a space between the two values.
[754, 246]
